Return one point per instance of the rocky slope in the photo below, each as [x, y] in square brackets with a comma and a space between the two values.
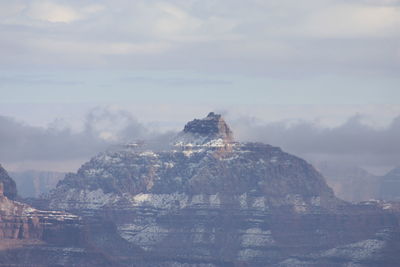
[213, 201]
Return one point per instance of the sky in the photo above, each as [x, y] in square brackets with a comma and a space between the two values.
[153, 65]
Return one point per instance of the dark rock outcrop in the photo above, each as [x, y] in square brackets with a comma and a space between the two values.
[212, 127]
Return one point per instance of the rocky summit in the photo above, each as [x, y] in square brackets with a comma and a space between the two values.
[212, 201]
[210, 129]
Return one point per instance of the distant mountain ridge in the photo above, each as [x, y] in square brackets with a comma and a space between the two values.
[390, 185]
[33, 183]
[352, 183]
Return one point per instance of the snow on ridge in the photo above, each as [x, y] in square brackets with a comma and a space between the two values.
[174, 200]
[256, 237]
[84, 199]
[361, 250]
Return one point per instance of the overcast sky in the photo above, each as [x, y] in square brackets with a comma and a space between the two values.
[273, 47]
[166, 62]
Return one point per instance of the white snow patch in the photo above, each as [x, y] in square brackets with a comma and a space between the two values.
[243, 201]
[215, 200]
[175, 200]
[256, 237]
[169, 165]
[72, 249]
[361, 250]
[84, 199]
[215, 143]
[273, 160]
[259, 203]
[298, 203]
[139, 198]
[188, 153]
[233, 157]
[316, 201]
[198, 236]
[148, 154]
[198, 199]
[94, 172]
[247, 254]
[161, 201]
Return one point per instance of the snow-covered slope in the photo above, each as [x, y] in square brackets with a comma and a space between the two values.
[197, 170]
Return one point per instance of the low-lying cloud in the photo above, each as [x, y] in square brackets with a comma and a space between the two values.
[353, 142]
[102, 129]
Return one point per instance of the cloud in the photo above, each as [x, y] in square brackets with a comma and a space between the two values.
[52, 12]
[353, 21]
[102, 129]
[353, 141]
[253, 36]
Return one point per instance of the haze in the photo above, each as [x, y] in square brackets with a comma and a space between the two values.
[319, 78]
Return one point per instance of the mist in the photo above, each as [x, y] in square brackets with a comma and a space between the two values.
[353, 142]
[59, 145]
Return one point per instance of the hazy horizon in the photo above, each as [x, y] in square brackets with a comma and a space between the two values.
[323, 67]
[65, 143]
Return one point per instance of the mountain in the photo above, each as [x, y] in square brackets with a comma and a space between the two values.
[390, 185]
[34, 183]
[211, 201]
[350, 182]
[203, 163]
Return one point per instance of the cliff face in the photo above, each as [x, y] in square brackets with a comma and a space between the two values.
[10, 189]
[32, 237]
